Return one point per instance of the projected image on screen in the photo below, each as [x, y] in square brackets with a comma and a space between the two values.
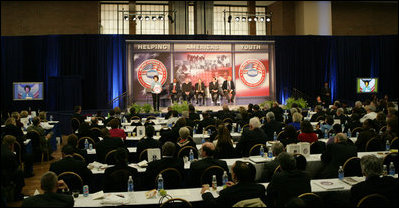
[28, 90]
[367, 85]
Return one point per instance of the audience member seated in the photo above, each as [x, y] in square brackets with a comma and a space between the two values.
[358, 109]
[392, 130]
[374, 183]
[197, 167]
[307, 134]
[225, 113]
[325, 126]
[392, 112]
[11, 173]
[242, 117]
[18, 122]
[289, 135]
[287, 184]
[84, 130]
[114, 182]
[269, 167]
[167, 161]
[296, 120]
[148, 141]
[341, 116]
[333, 110]
[56, 193]
[289, 116]
[107, 144]
[43, 116]
[242, 188]
[380, 121]
[11, 128]
[173, 135]
[271, 126]
[132, 112]
[115, 130]
[224, 144]
[77, 113]
[189, 121]
[250, 137]
[336, 154]
[192, 114]
[94, 123]
[111, 116]
[73, 141]
[257, 112]
[337, 129]
[371, 114]
[70, 164]
[118, 112]
[206, 121]
[365, 135]
[184, 140]
[353, 122]
[319, 112]
[278, 111]
[44, 139]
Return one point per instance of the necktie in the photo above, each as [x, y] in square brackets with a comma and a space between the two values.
[174, 86]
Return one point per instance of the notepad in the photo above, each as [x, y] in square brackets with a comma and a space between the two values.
[329, 185]
[178, 193]
[258, 159]
[350, 181]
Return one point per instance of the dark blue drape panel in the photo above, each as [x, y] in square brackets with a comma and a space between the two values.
[64, 92]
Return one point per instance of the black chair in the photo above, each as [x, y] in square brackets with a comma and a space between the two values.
[300, 162]
[374, 200]
[75, 123]
[277, 170]
[206, 176]
[395, 143]
[79, 157]
[311, 200]
[81, 142]
[185, 151]
[352, 167]
[391, 157]
[143, 155]
[374, 144]
[176, 202]
[255, 150]
[357, 129]
[172, 178]
[150, 118]
[73, 180]
[317, 147]
[39, 151]
[96, 133]
[210, 127]
[109, 158]
[118, 181]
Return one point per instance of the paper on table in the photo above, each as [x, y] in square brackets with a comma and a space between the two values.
[329, 185]
[178, 193]
[98, 195]
[143, 163]
[36, 193]
[116, 199]
[351, 180]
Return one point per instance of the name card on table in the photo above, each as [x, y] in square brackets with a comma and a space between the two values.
[302, 148]
[154, 153]
[140, 131]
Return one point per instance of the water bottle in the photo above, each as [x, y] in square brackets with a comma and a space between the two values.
[160, 182]
[225, 178]
[195, 130]
[357, 134]
[349, 133]
[91, 146]
[262, 151]
[275, 136]
[325, 134]
[239, 128]
[85, 190]
[130, 184]
[191, 155]
[209, 132]
[340, 173]
[387, 146]
[202, 140]
[270, 153]
[214, 183]
[342, 127]
[384, 170]
[124, 119]
[51, 117]
[86, 144]
[391, 169]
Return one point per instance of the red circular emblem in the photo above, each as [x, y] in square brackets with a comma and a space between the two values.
[148, 69]
[252, 73]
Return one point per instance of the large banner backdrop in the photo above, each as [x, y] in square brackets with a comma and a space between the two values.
[250, 64]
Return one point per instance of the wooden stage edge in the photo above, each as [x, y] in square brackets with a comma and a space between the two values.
[205, 108]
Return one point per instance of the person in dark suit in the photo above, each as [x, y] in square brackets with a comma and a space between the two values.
[73, 141]
[374, 184]
[113, 183]
[174, 90]
[214, 90]
[269, 167]
[257, 112]
[229, 90]
[326, 92]
[206, 121]
[198, 167]
[167, 161]
[319, 112]
[339, 114]
[77, 113]
[271, 126]
[250, 137]
[242, 188]
[68, 163]
[192, 114]
[111, 116]
[53, 193]
[200, 91]
[225, 113]
[365, 135]
[173, 135]
[187, 90]
[106, 145]
[11, 174]
[148, 141]
[287, 184]
[336, 154]
[278, 112]
[289, 135]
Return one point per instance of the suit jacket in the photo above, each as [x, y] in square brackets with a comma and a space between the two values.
[278, 113]
[258, 114]
[178, 90]
[386, 186]
[194, 116]
[248, 139]
[79, 117]
[225, 114]
[285, 186]
[106, 145]
[316, 115]
[9, 165]
[268, 170]
[155, 167]
[204, 123]
[231, 195]
[202, 87]
[363, 138]
[270, 127]
[15, 131]
[187, 87]
[146, 143]
[224, 86]
[49, 199]
[335, 155]
[198, 167]
[213, 86]
[114, 184]
[73, 165]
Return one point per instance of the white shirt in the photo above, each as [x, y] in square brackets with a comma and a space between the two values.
[371, 115]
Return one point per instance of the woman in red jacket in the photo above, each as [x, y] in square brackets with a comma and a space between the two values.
[115, 131]
[307, 134]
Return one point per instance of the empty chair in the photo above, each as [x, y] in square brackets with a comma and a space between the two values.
[206, 176]
[185, 151]
[374, 144]
[176, 202]
[374, 200]
[311, 200]
[172, 178]
[352, 167]
[73, 180]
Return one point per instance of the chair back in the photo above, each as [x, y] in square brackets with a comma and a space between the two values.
[254, 202]
[79, 157]
[228, 120]
[172, 178]
[383, 129]
[135, 118]
[185, 151]
[255, 150]
[374, 144]
[355, 130]
[150, 118]
[206, 176]
[75, 123]
[395, 143]
[311, 200]
[118, 181]
[176, 202]
[352, 167]
[18, 150]
[81, 142]
[300, 161]
[136, 123]
[109, 158]
[373, 200]
[277, 170]
[280, 134]
[73, 180]
[391, 157]
[243, 127]
[320, 118]
[143, 155]
[96, 132]
[211, 127]
[149, 122]
[317, 147]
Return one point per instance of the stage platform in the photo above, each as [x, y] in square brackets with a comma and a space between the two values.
[205, 108]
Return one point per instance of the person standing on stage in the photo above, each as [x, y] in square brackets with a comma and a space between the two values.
[174, 90]
[214, 90]
[187, 90]
[156, 89]
[326, 94]
[229, 89]
[200, 91]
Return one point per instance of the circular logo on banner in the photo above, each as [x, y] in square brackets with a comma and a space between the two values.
[252, 73]
[148, 69]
